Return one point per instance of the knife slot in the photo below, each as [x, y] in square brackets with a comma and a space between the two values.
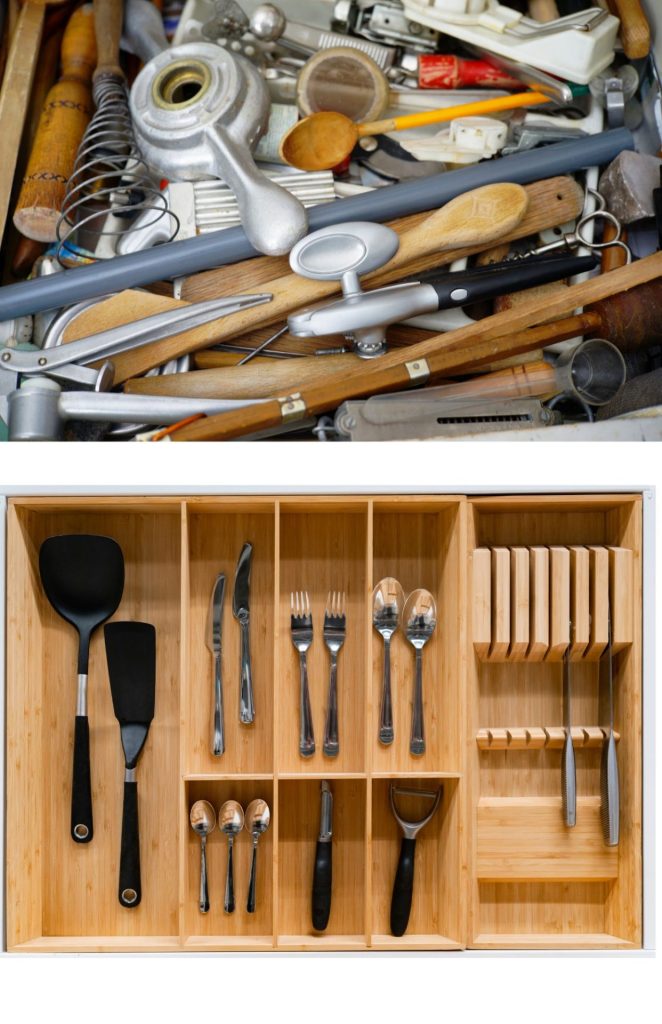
[580, 602]
[482, 601]
[621, 572]
[501, 583]
[538, 603]
[559, 592]
[599, 602]
[519, 603]
[551, 737]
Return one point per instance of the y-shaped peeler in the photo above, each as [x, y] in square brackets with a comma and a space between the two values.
[403, 885]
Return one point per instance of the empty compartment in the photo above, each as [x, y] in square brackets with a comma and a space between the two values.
[418, 543]
[435, 921]
[323, 549]
[239, 929]
[73, 902]
[217, 531]
[298, 830]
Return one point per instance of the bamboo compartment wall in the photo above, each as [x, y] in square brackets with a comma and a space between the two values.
[496, 867]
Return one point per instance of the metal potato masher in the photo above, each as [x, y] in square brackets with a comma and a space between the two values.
[403, 886]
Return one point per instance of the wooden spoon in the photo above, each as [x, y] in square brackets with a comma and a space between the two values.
[324, 140]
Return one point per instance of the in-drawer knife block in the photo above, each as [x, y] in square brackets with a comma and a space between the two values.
[496, 867]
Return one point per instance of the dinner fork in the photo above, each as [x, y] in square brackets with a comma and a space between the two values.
[334, 638]
[301, 624]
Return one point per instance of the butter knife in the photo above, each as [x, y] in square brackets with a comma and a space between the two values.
[214, 643]
[241, 612]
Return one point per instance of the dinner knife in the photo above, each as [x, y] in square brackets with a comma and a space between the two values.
[214, 643]
[241, 612]
[609, 783]
[322, 872]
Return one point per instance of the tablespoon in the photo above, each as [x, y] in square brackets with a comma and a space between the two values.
[420, 617]
[230, 823]
[387, 602]
[258, 817]
[203, 821]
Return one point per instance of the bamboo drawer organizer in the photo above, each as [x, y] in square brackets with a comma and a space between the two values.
[495, 868]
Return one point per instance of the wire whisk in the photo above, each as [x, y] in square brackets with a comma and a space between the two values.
[111, 192]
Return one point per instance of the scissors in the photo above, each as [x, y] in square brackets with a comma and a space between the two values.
[578, 237]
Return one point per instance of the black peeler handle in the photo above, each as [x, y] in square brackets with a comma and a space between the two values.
[403, 888]
[322, 879]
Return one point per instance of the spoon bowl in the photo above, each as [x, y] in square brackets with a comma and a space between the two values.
[320, 141]
[258, 818]
[387, 603]
[420, 618]
[203, 821]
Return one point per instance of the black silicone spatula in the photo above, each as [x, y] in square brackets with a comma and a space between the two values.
[131, 654]
[83, 577]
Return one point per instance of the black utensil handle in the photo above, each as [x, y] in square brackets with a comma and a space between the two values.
[250, 904]
[81, 789]
[403, 888]
[129, 889]
[461, 288]
[322, 876]
[228, 906]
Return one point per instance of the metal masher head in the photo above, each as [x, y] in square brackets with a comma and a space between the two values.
[410, 829]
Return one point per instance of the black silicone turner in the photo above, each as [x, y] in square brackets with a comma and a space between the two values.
[131, 654]
[83, 577]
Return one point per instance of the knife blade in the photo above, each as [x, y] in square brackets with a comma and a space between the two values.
[214, 643]
[241, 612]
[322, 873]
[609, 782]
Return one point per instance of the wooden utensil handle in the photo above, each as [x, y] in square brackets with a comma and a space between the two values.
[108, 18]
[397, 124]
[635, 31]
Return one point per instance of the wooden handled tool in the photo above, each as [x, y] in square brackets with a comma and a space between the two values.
[15, 92]
[635, 31]
[108, 17]
[64, 118]
[494, 336]
[551, 202]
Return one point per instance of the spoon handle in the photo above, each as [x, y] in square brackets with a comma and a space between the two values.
[204, 891]
[386, 711]
[250, 904]
[228, 906]
[417, 740]
[331, 746]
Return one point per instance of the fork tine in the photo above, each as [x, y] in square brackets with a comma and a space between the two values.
[307, 603]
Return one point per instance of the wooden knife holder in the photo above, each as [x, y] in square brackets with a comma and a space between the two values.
[495, 868]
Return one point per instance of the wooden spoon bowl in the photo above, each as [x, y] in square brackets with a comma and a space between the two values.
[320, 141]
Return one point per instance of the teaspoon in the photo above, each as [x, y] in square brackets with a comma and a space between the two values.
[420, 616]
[203, 821]
[258, 817]
[230, 823]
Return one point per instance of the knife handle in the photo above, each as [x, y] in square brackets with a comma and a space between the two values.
[81, 791]
[609, 792]
[246, 706]
[461, 288]
[322, 875]
[129, 888]
[218, 733]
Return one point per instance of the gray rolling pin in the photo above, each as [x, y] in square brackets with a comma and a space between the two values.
[218, 248]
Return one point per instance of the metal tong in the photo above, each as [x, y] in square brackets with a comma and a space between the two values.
[403, 886]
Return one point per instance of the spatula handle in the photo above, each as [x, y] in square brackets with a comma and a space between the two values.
[129, 888]
[81, 790]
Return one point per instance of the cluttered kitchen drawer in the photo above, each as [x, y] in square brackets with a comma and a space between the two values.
[228, 194]
[360, 703]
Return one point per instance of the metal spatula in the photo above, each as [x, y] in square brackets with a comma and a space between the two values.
[131, 654]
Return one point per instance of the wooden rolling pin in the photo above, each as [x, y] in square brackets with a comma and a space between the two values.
[64, 118]
[635, 31]
[551, 202]
[496, 335]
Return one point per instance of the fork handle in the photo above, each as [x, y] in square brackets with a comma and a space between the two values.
[386, 733]
[417, 740]
[306, 734]
[331, 745]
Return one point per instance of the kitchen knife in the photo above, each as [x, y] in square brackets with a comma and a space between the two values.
[214, 643]
[609, 784]
[241, 612]
[322, 872]
[131, 656]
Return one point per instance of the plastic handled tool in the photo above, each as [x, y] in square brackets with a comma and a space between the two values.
[83, 577]
[215, 249]
[365, 315]
[131, 656]
[323, 869]
[325, 139]
[609, 781]
[568, 773]
[241, 612]
[403, 885]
